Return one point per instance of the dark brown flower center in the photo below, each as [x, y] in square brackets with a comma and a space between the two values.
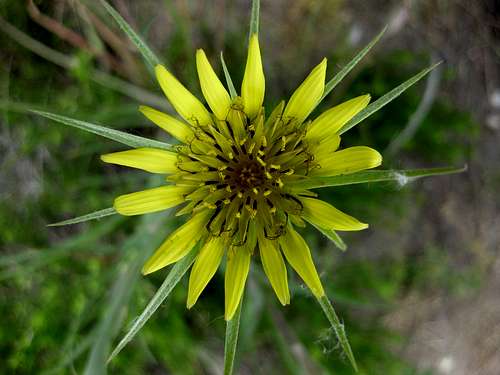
[246, 174]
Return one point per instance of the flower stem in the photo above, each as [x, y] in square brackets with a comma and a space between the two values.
[338, 327]
[232, 329]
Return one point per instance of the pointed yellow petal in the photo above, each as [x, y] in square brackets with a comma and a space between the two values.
[214, 92]
[307, 96]
[174, 127]
[151, 200]
[253, 86]
[179, 243]
[349, 160]
[185, 103]
[147, 159]
[274, 267]
[238, 265]
[204, 268]
[326, 216]
[297, 253]
[333, 119]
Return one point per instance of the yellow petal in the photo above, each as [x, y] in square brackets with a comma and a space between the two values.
[238, 265]
[185, 103]
[174, 127]
[349, 160]
[326, 216]
[333, 119]
[179, 243]
[253, 86]
[204, 268]
[147, 159]
[151, 200]
[274, 267]
[214, 92]
[307, 96]
[326, 146]
[297, 253]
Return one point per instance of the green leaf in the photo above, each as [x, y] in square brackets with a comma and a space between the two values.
[115, 135]
[173, 278]
[332, 236]
[136, 249]
[232, 329]
[338, 328]
[149, 56]
[254, 18]
[80, 219]
[229, 81]
[400, 176]
[387, 98]
[346, 69]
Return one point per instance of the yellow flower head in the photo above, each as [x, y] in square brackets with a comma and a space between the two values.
[234, 174]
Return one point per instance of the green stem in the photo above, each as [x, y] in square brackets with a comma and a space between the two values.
[338, 327]
[232, 329]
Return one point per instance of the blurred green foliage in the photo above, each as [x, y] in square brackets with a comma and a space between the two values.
[55, 282]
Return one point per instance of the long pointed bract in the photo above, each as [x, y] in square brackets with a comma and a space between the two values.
[173, 278]
[351, 64]
[338, 327]
[80, 219]
[254, 18]
[149, 56]
[387, 98]
[400, 176]
[232, 330]
[115, 135]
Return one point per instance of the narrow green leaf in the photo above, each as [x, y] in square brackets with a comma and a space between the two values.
[115, 135]
[80, 219]
[229, 81]
[173, 278]
[387, 98]
[332, 236]
[254, 18]
[400, 176]
[118, 298]
[149, 56]
[338, 328]
[350, 65]
[232, 329]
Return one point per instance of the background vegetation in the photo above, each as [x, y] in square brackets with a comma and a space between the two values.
[416, 291]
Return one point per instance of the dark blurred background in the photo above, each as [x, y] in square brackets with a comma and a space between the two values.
[418, 291]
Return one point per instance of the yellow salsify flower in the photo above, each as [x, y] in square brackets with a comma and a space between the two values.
[234, 171]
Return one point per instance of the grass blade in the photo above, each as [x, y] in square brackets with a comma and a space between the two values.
[149, 56]
[229, 81]
[254, 18]
[173, 278]
[338, 328]
[387, 98]
[115, 135]
[400, 176]
[91, 216]
[232, 329]
[330, 85]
